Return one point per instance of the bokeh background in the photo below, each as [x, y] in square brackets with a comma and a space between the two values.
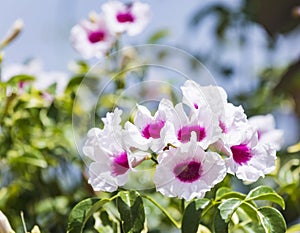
[251, 47]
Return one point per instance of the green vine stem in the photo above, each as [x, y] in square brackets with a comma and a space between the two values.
[175, 223]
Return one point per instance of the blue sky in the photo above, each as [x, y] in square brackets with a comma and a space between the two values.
[48, 23]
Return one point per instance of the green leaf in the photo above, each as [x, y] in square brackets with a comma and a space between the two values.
[272, 220]
[20, 78]
[192, 214]
[105, 222]
[131, 208]
[221, 191]
[228, 207]
[250, 210]
[219, 225]
[294, 229]
[82, 212]
[225, 193]
[158, 36]
[265, 193]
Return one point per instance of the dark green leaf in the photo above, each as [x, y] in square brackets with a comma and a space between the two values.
[272, 220]
[265, 193]
[82, 212]
[131, 208]
[192, 214]
[219, 225]
[228, 207]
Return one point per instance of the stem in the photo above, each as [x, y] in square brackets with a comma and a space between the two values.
[210, 206]
[175, 223]
[182, 205]
[153, 157]
[23, 221]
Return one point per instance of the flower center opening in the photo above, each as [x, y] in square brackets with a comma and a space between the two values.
[188, 172]
[184, 134]
[241, 154]
[120, 164]
[153, 130]
[223, 127]
[96, 36]
[125, 17]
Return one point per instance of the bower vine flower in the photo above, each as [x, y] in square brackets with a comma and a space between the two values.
[149, 131]
[130, 18]
[4, 224]
[42, 79]
[193, 144]
[188, 172]
[92, 38]
[109, 167]
[265, 126]
[250, 159]
[200, 122]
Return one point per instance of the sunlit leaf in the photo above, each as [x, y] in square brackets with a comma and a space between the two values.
[272, 220]
[265, 193]
[228, 207]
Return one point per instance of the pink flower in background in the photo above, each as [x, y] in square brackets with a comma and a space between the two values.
[109, 167]
[42, 79]
[130, 18]
[92, 38]
[188, 171]
[250, 159]
[265, 126]
[4, 224]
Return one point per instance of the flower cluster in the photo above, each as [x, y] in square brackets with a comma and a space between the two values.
[96, 36]
[194, 144]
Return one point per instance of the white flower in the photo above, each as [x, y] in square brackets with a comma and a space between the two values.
[4, 224]
[201, 122]
[250, 159]
[196, 96]
[109, 167]
[149, 131]
[188, 171]
[92, 38]
[131, 18]
[265, 126]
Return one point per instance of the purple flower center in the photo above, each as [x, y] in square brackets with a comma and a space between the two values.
[196, 106]
[241, 154]
[96, 36]
[153, 130]
[184, 134]
[188, 172]
[259, 134]
[125, 17]
[120, 164]
[223, 127]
